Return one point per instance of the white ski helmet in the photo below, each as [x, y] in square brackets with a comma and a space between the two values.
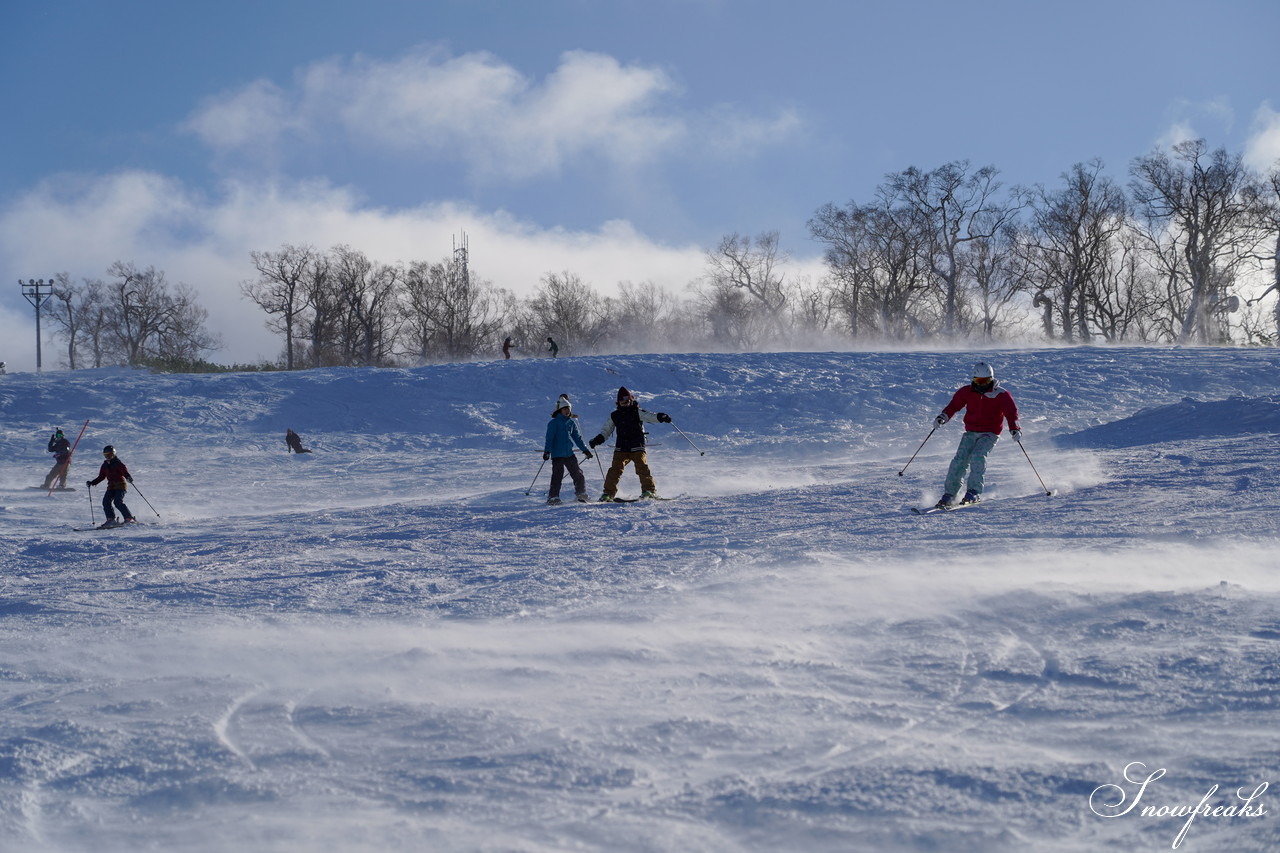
[983, 373]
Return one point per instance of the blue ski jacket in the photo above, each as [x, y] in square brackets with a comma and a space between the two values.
[562, 435]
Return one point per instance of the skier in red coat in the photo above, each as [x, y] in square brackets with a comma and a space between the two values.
[987, 407]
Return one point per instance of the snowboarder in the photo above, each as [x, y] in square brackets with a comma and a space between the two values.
[61, 450]
[116, 475]
[562, 435]
[628, 419]
[506, 349]
[987, 407]
[294, 441]
[554, 348]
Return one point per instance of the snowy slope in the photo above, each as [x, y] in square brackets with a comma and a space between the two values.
[386, 645]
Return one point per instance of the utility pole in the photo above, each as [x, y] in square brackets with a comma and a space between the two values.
[37, 293]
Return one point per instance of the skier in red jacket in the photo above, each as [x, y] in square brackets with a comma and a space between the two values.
[987, 407]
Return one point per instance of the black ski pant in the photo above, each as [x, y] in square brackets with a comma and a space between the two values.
[115, 497]
[558, 466]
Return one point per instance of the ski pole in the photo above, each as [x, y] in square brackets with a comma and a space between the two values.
[918, 449]
[686, 438]
[93, 516]
[1047, 492]
[535, 477]
[600, 465]
[144, 499]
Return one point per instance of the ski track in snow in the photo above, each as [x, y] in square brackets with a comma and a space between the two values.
[386, 645]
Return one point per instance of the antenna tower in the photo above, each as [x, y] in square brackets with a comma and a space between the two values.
[461, 258]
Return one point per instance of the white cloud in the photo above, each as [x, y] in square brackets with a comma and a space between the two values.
[81, 226]
[255, 116]
[1262, 149]
[480, 110]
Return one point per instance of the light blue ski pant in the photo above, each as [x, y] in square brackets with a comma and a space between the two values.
[971, 457]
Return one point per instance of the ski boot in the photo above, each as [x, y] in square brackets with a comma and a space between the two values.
[649, 496]
[581, 497]
[606, 498]
[553, 502]
[970, 497]
[946, 500]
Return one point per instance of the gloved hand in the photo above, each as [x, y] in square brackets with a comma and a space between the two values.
[664, 418]
[1017, 435]
[546, 456]
[596, 442]
[89, 483]
[941, 419]
[587, 453]
[129, 477]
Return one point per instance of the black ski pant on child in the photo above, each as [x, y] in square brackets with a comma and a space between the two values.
[558, 466]
[116, 497]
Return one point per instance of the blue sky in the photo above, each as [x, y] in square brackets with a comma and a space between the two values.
[613, 139]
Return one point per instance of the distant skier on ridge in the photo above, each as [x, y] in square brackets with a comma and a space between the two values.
[987, 407]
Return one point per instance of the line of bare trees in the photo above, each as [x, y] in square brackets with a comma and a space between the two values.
[1188, 252]
[1195, 239]
[132, 317]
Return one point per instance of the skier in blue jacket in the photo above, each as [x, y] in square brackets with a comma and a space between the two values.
[562, 435]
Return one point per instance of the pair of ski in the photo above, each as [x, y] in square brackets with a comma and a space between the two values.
[615, 501]
[106, 526]
[930, 510]
[634, 500]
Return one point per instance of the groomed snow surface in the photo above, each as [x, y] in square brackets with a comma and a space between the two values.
[387, 645]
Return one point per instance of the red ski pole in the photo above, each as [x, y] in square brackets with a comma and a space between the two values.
[67, 465]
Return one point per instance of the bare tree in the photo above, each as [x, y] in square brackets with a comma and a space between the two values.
[1000, 276]
[754, 266]
[71, 312]
[1269, 205]
[642, 317]
[144, 319]
[1203, 220]
[876, 254]
[449, 313]
[1072, 239]
[951, 207]
[281, 290]
[733, 319]
[369, 321]
[567, 308]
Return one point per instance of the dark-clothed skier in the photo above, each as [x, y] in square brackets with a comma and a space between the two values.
[628, 448]
[987, 407]
[506, 349]
[116, 475]
[554, 349]
[294, 441]
[61, 450]
[562, 435]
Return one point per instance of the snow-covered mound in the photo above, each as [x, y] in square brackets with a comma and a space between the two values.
[393, 644]
[1186, 419]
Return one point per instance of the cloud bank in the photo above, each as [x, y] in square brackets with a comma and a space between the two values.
[501, 124]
